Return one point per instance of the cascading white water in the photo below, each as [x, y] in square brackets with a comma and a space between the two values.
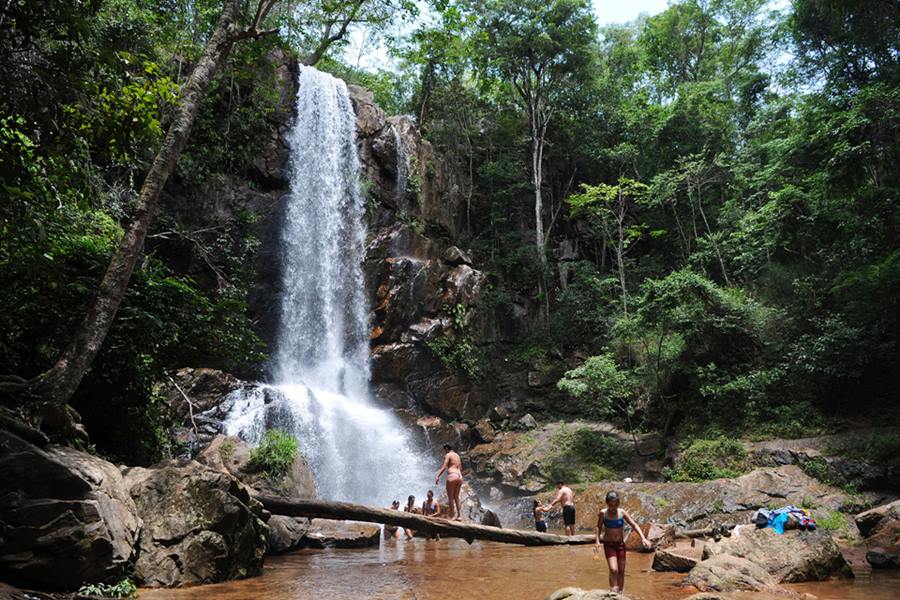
[402, 165]
[358, 452]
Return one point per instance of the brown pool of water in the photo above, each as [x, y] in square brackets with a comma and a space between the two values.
[452, 569]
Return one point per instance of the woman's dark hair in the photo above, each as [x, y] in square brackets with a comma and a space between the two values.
[612, 497]
[448, 447]
[536, 503]
[411, 499]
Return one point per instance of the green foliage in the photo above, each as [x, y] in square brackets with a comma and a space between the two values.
[833, 521]
[123, 589]
[275, 454]
[709, 459]
[226, 450]
[459, 354]
[457, 349]
[584, 455]
[877, 448]
[602, 387]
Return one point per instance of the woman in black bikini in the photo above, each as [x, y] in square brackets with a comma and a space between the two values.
[610, 532]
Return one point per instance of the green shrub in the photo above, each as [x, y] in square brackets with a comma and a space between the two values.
[703, 460]
[586, 455]
[275, 454]
[122, 589]
[881, 449]
[226, 450]
[834, 521]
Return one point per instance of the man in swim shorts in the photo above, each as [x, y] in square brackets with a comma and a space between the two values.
[453, 466]
[565, 497]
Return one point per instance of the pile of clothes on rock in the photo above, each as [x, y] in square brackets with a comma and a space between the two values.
[786, 517]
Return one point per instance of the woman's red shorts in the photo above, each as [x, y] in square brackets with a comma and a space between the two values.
[616, 550]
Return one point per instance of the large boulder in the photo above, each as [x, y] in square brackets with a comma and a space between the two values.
[200, 525]
[873, 521]
[66, 517]
[659, 535]
[231, 455]
[725, 573]
[791, 557]
[286, 533]
[680, 561]
[881, 527]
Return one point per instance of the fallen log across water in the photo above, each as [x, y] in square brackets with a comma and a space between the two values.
[321, 509]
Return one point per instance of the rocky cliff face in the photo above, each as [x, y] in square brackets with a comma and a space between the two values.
[424, 292]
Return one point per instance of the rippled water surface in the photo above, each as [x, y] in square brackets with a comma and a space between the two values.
[427, 570]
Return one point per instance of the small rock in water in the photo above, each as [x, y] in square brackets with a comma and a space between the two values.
[628, 480]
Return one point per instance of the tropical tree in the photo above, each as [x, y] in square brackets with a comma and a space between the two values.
[543, 50]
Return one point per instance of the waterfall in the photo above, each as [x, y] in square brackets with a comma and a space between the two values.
[402, 165]
[357, 451]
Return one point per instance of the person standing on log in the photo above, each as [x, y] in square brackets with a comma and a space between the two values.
[453, 466]
[565, 497]
[610, 532]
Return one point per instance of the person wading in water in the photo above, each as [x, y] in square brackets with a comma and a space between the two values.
[610, 532]
[453, 466]
[392, 531]
[565, 497]
[411, 508]
[432, 508]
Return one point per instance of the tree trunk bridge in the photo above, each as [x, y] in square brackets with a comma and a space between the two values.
[322, 509]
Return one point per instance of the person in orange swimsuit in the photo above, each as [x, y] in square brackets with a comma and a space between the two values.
[453, 466]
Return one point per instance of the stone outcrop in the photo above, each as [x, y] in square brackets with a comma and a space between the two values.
[200, 525]
[65, 516]
[822, 450]
[522, 462]
[695, 505]
[231, 455]
[421, 288]
[793, 557]
[881, 528]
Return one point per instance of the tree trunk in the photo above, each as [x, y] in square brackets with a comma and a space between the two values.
[537, 181]
[59, 383]
[322, 509]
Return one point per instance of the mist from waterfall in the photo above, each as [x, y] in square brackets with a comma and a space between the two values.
[357, 451]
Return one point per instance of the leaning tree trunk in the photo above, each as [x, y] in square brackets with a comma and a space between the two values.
[324, 509]
[58, 384]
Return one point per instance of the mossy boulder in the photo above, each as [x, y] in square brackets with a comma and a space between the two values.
[200, 525]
